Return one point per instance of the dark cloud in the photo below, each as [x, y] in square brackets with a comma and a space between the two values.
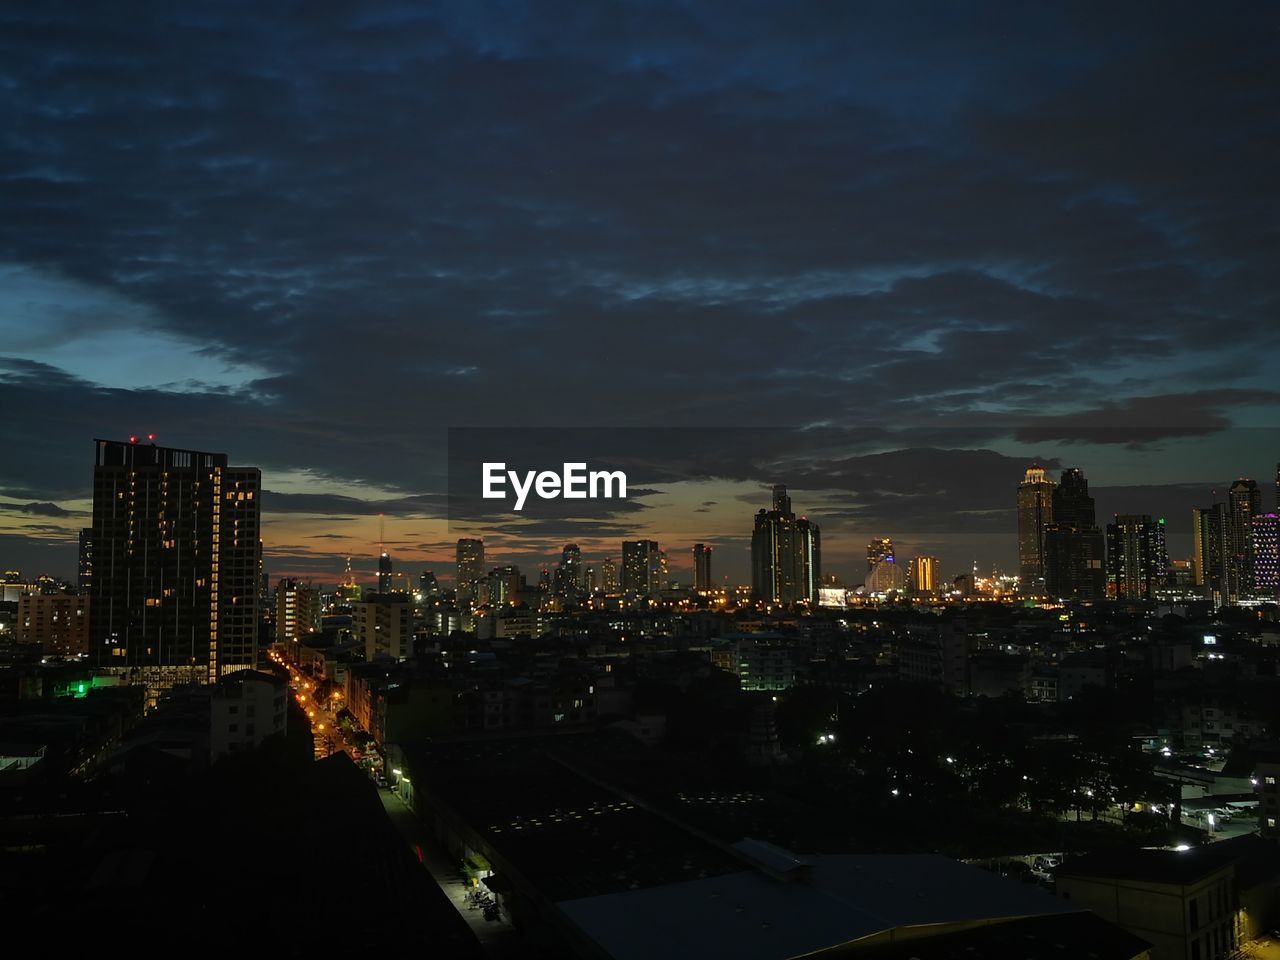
[43, 510]
[1138, 421]
[991, 229]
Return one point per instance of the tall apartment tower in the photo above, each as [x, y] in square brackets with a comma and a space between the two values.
[608, 576]
[1137, 556]
[1266, 556]
[642, 564]
[786, 554]
[1244, 502]
[702, 568]
[297, 611]
[1035, 513]
[1210, 559]
[1074, 553]
[470, 559]
[85, 574]
[176, 552]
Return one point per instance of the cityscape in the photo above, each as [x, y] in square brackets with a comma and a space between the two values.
[664, 481]
[1098, 725]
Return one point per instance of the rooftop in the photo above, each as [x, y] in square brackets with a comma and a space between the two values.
[750, 915]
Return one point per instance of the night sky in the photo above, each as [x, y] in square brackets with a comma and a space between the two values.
[924, 244]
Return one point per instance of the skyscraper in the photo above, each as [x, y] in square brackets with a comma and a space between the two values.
[1244, 502]
[925, 575]
[297, 610]
[428, 585]
[786, 555]
[1035, 513]
[702, 568]
[641, 567]
[470, 560]
[1266, 555]
[568, 576]
[608, 575]
[1074, 550]
[174, 591]
[385, 569]
[1137, 558]
[85, 576]
[877, 550]
[1211, 553]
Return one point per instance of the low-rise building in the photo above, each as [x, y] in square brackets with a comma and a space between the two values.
[246, 707]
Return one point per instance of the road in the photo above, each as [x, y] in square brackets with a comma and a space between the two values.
[498, 939]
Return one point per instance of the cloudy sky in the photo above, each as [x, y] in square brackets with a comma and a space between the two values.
[885, 253]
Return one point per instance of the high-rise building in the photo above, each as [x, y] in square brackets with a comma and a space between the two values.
[925, 575]
[58, 623]
[786, 554]
[297, 611]
[1211, 554]
[470, 560]
[1244, 502]
[1074, 551]
[608, 576]
[383, 625]
[1137, 557]
[385, 570]
[568, 576]
[176, 550]
[879, 549]
[85, 576]
[702, 568]
[641, 567]
[429, 586]
[1035, 513]
[1266, 555]
[503, 586]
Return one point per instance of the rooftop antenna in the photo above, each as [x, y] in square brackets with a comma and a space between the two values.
[382, 531]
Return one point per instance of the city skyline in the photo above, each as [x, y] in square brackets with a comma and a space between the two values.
[735, 547]
[969, 257]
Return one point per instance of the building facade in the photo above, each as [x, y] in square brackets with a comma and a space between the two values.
[1035, 513]
[786, 554]
[176, 551]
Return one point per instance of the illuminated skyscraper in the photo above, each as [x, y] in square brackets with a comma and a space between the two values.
[86, 560]
[1266, 555]
[568, 577]
[385, 569]
[504, 586]
[1211, 553]
[642, 565]
[608, 576]
[1074, 548]
[786, 554]
[702, 568]
[470, 560]
[1137, 558]
[1035, 513]
[1244, 502]
[297, 610]
[925, 575]
[174, 591]
[877, 550]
